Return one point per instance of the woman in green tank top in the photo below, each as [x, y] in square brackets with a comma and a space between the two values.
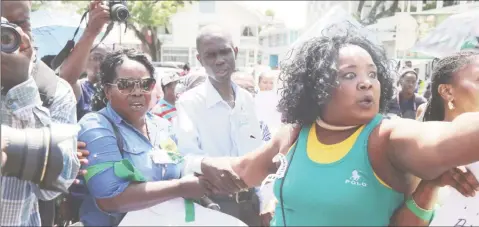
[349, 165]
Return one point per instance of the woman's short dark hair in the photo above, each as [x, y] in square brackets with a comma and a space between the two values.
[443, 73]
[310, 77]
[108, 72]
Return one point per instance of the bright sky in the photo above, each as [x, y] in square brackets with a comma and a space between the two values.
[293, 13]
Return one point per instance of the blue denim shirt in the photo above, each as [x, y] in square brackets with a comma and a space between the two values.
[100, 139]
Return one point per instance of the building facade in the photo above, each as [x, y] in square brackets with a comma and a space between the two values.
[275, 41]
[244, 24]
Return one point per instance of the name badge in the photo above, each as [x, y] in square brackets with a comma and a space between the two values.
[159, 156]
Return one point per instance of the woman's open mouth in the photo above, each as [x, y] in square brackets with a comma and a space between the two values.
[366, 102]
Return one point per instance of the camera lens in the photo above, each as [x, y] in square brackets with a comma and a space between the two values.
[119, 12]
[122, 14]
[10, 39]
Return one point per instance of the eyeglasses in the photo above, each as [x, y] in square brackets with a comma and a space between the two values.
[127, 86]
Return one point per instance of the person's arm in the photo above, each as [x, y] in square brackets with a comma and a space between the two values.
[187, 138]
[63, 110]
[428, 149]
[76, 62]
[420, 111]
[114, 191]
[425, 197]
[255, 166]
[24, 102]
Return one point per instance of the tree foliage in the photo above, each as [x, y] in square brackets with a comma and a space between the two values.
[269, 13]
[379, 9]
[145, 18]
[36, 5]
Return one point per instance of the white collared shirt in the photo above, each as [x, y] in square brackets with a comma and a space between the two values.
[208, 127]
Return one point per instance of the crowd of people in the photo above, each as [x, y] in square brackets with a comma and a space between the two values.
[332, 129]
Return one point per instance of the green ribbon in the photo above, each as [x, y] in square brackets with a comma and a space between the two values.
[189, 210]
[123, 169]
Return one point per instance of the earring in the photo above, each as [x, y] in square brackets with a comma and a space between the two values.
[451, 105]
[105, 100]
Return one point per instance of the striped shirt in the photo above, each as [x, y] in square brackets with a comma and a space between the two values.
[22, 108]
[164, 110]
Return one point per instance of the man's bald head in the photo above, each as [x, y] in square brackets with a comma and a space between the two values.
[211, 31]
[216, 53]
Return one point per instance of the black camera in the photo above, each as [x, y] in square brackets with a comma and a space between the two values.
[36, 154]
[11, 39]
[118, 10]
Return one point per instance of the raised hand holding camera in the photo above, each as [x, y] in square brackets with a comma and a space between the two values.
[99, 15]
[16, 55]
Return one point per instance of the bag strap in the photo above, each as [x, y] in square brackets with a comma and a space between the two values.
[46, 81]
[119, 137]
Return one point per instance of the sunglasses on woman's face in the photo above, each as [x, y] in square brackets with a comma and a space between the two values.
[127, 86]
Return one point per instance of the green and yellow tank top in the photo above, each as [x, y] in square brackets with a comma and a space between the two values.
[333, 185]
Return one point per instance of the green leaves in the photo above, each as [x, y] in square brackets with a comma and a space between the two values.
[36, 5]
[154, 14]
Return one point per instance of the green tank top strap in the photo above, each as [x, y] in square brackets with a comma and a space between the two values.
[370, 127]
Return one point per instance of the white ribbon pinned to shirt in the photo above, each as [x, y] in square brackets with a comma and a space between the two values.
[279, 173]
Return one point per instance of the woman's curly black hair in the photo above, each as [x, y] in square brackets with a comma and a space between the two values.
[108, 73]
[443, 73]
[310, 76]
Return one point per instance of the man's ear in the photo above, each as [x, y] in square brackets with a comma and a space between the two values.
[236, 51]
[199, 59]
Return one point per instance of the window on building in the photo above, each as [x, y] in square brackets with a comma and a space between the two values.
[207, 6]
[293, 36]
[251, 57]
[271, 41]
[284, 40]
[248, 31]
[177, 54]
[260, 57]
[241, 59]
[450, 3]
[277, 40]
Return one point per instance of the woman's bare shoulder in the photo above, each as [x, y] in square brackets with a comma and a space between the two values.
[285, 137]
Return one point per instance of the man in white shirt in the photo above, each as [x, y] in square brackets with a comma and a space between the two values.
[218, 119]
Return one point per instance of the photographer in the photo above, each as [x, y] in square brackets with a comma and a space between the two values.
[22, 107]
[81, 61]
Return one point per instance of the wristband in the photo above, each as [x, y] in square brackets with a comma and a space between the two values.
[421, 213]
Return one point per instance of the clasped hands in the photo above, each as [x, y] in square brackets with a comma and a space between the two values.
[219, 177]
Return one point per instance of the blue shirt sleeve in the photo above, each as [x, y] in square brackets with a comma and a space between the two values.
[101, 142]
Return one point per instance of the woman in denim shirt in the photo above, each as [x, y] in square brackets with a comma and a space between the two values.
[146, 172]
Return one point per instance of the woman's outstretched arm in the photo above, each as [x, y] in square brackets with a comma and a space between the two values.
[254, 167]
[428, 149]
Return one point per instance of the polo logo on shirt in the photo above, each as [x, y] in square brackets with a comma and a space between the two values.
[356, 179]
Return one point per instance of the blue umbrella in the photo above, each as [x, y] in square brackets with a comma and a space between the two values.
[52, 29]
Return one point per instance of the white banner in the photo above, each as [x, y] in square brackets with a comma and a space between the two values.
[458, 210]
[172, 213]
